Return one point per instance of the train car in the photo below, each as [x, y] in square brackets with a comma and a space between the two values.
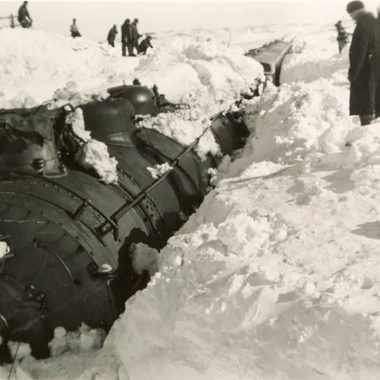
[70, 235]
[271, 56]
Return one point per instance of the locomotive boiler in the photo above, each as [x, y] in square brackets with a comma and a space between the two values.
[70, 235]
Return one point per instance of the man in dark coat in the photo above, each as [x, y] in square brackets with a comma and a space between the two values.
[144, 45]
[135, 35]
[364, 71]
[74, 30]
[23, 16]
[112, 36]
[126, 38]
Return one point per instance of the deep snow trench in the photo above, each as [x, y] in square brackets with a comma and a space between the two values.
[276, 276]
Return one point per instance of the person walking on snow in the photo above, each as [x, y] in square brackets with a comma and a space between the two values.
[23, 16]
[74, 29]
[126, 38]
[364, 70]
[112, 36]
[135, 35]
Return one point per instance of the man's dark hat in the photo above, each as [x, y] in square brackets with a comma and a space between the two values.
[354, 6]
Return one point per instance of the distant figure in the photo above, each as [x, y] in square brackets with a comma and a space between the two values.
[135, 35]
[342, 37]
[74, 29]
[112, 35]
[144, 45]
[23, 16]
[364, 70]
[126, 38]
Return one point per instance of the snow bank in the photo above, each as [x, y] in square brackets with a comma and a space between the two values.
[35, 64]
[205, 74]
[39, 67]
[319, 58]
[184, 126]
[213, 73]
[39, 64]
[277, 275]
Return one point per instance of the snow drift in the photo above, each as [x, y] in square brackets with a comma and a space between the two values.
[277, 276]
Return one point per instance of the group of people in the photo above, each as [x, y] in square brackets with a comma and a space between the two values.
[364, 58]
[130, 38]
[129, 33]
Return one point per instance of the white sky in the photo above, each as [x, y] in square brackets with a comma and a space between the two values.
[94, 18]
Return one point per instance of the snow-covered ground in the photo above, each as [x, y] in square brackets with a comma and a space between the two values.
[277, 275]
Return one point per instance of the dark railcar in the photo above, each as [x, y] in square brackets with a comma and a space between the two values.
[70, 234]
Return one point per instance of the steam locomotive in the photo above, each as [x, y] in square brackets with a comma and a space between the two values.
[70, 235]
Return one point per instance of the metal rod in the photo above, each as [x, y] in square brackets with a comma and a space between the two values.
[127, 206]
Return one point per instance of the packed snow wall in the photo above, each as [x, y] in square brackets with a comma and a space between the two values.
[71, 236]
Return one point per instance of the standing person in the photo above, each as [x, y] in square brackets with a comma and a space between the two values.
[364, 70]
[112, 35]
[23, 16]
[74, 29]
[135, 35]
[144, 45]
[342, 37]
[126, 38]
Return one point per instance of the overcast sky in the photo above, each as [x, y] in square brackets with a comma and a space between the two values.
[94, 18]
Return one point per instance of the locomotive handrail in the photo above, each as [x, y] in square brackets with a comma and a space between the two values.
[160, 154]
[118, 214]
[143, 209]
